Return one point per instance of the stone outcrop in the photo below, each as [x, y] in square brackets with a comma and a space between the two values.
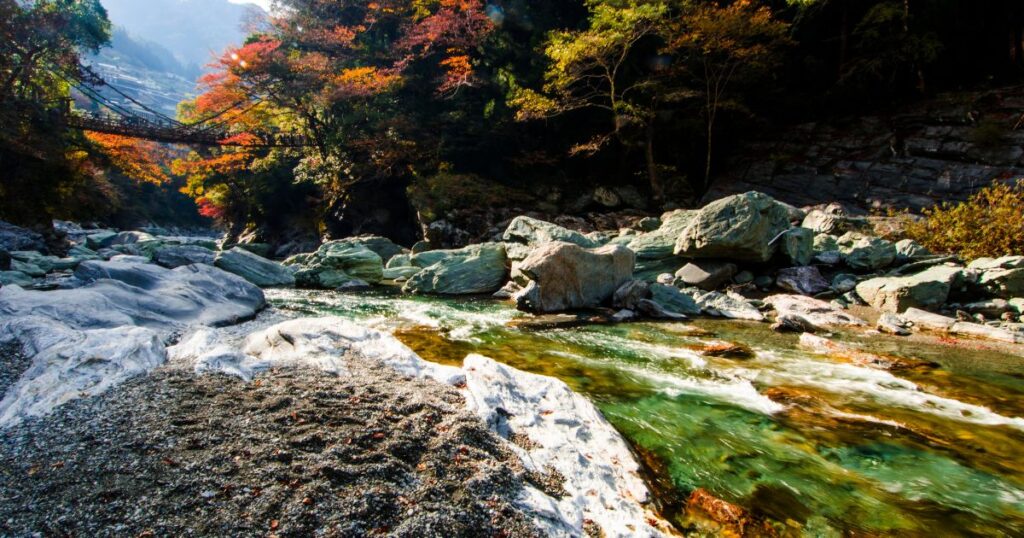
[927, 290]
[476, 269]
[742, 227]
[563, 276]
[260, 271]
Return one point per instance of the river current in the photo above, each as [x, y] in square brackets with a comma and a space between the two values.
[821, 444]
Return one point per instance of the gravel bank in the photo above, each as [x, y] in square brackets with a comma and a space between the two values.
[12, 364]
[295, 453]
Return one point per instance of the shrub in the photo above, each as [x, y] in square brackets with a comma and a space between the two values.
[989, 224]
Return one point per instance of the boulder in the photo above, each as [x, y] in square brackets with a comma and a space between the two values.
[673, 301]
[908, 250]
[563, 276]
[929, 289]
[661, 243]
[259, 271]
[865, 252]
[728, 305]
[100, 240]
[399, 260]
[797, 246]
[802, 280]
[29, 269]
[1007, 262]
[352, 256]
[922, 320]
[17, 238]
[650, 270]
[818, 314]
[173, 256]
[382, 246]
[742, 227]
[890, 323]
[832, 221]
[476, 269]
[323, 278]
[707, 275]
[648, 224]
[844, 283]
[991, 309]
[116, 294]
[534, 232]
[1005, 283]
[629, 295]
[400, 274]
[15, 278]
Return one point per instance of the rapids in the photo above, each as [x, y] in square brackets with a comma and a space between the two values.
[819, 444]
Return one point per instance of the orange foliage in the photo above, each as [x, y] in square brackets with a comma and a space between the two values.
[140, 160]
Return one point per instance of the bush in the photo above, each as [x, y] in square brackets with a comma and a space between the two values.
[989, 224]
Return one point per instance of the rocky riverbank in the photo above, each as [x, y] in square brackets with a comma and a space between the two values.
[172, 315]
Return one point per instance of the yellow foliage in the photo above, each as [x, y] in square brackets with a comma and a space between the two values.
[989, 224]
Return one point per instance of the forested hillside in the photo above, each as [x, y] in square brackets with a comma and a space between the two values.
[450, 113]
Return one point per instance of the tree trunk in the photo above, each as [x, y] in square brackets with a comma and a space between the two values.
[652, 167]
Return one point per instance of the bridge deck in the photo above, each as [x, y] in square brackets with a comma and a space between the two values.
[174, 134]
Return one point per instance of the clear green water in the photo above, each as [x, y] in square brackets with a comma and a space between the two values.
[821, 446]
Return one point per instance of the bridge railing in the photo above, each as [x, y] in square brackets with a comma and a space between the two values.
[138, 127]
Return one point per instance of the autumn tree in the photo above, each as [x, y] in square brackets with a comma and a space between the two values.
[595, 68]
[718, 48]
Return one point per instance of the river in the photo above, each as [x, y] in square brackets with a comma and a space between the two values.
[822, 445]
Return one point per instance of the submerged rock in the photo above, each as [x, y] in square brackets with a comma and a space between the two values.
[259, 271]
[476, 269]
[741, 227]
[563, 276]
[929, 289]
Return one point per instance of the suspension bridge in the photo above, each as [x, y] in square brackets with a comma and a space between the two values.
[113, 118]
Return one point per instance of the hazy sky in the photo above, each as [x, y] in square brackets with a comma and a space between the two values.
[263, 3]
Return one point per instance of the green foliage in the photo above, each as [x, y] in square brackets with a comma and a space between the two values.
[990, 224]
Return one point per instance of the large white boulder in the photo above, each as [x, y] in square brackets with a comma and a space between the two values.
[563, 276]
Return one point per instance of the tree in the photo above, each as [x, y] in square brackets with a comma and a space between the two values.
[595, 68]
[720, 47]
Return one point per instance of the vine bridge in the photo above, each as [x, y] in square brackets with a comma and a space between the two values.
[113, 118]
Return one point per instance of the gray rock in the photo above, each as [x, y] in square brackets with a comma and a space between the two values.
[797, 246]
[606, 197]
[1006, 283]
[476, 269]
[908, 250]
[673, 301]
[818, 313]
[125, 258]
[14, 238]
[728, 305]
[707, 275]
[351, 256]
[15, 278]
[740, 227]
[1007, 262]
[382, 246]
[764, 282]
[743, 277]
[325, 278]
[173, 256]
[649, 270]
[802, 280]
[562, 276]
[260, 271]
[28, 268]
[5, 260]
[399, 260]
[929, 289]
[1017, 304]
[400, 274]
[928, 321]
[890, 323]
[992, 308]
[116, 294]
[648, 224]
[534, 232]
[100, 240]
[844, 283]
[661, 243]
[865, 252]
[419, 247]
[830, 222]
[629, 295]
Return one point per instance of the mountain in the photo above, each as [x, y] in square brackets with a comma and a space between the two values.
[194, 31]
[160, 47]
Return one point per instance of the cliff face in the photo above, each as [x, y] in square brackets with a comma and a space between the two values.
[943, 149]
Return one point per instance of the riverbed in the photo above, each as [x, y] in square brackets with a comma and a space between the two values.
[821, 445]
